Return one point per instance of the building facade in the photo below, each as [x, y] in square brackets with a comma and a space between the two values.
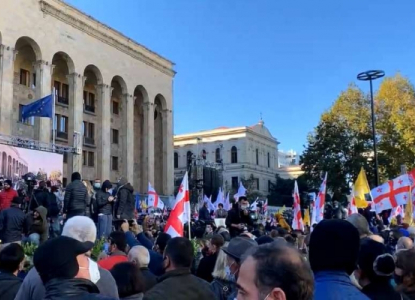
[242, 152]
[288, 158]
[11, 162]
[113, 92]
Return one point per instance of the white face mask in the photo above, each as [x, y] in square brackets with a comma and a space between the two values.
[110, 191]
[94, 271]
[243, 207]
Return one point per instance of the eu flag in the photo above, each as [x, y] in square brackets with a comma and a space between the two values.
[39, 108]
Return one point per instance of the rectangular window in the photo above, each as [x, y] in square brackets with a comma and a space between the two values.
[84, 158]
[29, 121]
[115, 136]
[256, 183]
[88, 131]
[34, 80]
[115, 107]
[24, 77]
[85, 97]
[57, 87]
[91, 130]
[114, 163]
[89, 102]
[65, 91]
[61, 126]
[91, 159]
[235, 183]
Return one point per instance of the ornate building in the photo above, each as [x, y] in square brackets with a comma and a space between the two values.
[114, 92]
[243, 151]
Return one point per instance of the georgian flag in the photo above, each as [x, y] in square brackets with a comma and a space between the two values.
[352, 205]
[391, 194]
[153, 198]
[396, 211]
[298, 223]
[320, 201]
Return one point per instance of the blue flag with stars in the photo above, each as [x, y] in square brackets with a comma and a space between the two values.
[39, 108]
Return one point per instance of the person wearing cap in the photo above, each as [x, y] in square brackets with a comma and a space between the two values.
[178, 283]
[12, 223]
[236, 248]
[66, 276]
[7, 195]
[238, 217]
[82, 229]
[333, 253]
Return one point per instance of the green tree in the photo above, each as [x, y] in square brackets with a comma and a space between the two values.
[281, 191]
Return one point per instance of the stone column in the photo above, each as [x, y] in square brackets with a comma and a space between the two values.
[76, 87]
[168, 159]
[7, 57]
[127, 130]
[43, 126]
[104, 131]
[148, 139]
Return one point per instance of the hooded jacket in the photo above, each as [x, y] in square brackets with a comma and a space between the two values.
[12, 221]
[39, 226]
[76, 199]
[125, 204]
[9, 286]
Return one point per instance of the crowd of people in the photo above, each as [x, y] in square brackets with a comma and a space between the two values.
[355, 258]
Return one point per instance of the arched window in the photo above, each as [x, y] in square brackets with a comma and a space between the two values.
[234, 155]
[176, 160]
[257, 156]
[217, 156]
[204, 154]
[269, 161]
[189, 158]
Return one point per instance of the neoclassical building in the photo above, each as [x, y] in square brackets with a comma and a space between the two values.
[12, 162]
[244, 151]
[115, 93]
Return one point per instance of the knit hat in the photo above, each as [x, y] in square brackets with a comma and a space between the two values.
[334, 246]
[56, 258]
[374, 260]
[238, 246]
[8, 182]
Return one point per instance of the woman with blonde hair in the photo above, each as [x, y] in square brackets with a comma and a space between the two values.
[90, 190]
[223, 283]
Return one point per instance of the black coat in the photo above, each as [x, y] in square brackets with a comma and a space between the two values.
[204, 214]
[104, 206]
[236, 216]
[76, 199]
[9, 286]
[150, 279]
[72, 289]
[12, 224]
[180, 285]
[383, 291]
[53, 208]
[206, 266]
[40, 198]
[125, 202]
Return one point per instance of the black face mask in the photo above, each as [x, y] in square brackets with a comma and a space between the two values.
[398, 279]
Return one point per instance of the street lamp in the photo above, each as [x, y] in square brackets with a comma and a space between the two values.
[370, 76]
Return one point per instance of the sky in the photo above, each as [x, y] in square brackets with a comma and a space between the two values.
[288, 60]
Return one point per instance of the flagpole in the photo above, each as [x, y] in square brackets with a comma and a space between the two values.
[189, 221]
[53, 117]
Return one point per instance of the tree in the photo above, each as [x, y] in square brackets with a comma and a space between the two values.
[281, 191]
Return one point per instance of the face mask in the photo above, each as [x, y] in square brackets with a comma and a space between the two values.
[229, 276]
[97, 185]
[110, 191]
[243, 207]
[398, 279]
[94, 271]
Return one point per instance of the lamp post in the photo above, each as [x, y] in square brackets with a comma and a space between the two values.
[370, 76]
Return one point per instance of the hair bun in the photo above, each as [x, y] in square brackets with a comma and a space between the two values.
[384, 265]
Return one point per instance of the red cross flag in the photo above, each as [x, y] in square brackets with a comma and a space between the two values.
[180, 213]
[298, 219]
[320, 201]
[392, 193]
[153, 198]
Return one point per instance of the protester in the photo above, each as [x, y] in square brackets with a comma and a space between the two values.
[207, 264]
[37, 226]
[117, 251]
[40, 197]
[130, 281]
[361, 224]
[53, 212]
[204, 214]
[140, 256]
[236, 248]
[7, 195]
[334, 249]
[94, 204]
[238, 217]
[76, 198]
[221, 212]
[275, 272]
[223, 284]
[375, 271]
[125, 204]
[12, 223]
[67, 275]
[404, 243]
[105, 209]
[405, 272]
[90, 194]
[178, 282]
[11, 262]
[83, 230]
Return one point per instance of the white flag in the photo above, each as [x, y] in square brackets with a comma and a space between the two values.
[153, 198]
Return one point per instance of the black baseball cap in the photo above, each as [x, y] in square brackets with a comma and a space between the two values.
[56, 258]
[238, 246]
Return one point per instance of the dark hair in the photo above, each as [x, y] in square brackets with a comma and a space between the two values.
[54, 189]
[274, 233]
[284, 267]
[217, 240]
[373, 262]
[17, 200]
[290, 239]
[48, 184]
[220, 205]
[242, 198]
[10, 258]
[180, 252]
[42, 185]
[162, 240]
[118, 238]
[129, 279]
[226, 236]
[106, 185]
[405, 260]
[75, 176]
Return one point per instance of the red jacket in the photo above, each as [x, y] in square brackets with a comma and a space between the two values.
[109, 262]
[6, 197]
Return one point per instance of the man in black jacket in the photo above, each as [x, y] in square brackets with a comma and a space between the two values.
[207, 264]
[178, 281]
[105, 209]
[238, 217]
[76, 198]
[125, 200]
[11, 262]
[204, 214]
[12, 223]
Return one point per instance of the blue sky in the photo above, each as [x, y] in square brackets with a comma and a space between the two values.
[286, 59]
